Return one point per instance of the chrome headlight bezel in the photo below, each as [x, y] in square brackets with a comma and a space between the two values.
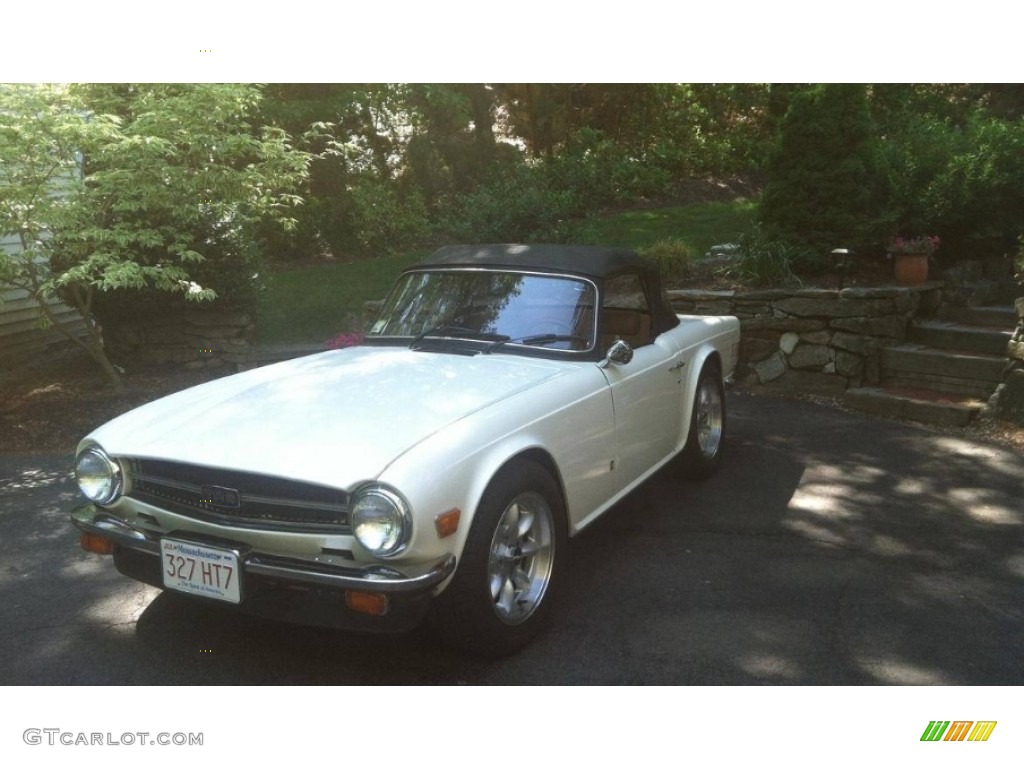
[109, 489]
[376, 506]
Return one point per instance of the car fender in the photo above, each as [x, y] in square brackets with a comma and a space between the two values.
[576, 441]
[700, 358]
[723, 349]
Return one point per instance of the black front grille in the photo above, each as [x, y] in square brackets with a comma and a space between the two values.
[230, 497]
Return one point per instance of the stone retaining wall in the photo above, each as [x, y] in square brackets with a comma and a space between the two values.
[194, 338]
[1015, 348]
[814, 340]
[1008, 401]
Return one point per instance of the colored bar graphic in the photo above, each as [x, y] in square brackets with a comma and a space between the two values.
[982, 730]
[959, 730]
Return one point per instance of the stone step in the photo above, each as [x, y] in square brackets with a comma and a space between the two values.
[942, 334]
[945, 385]
[987, 317]
[915, 405]
[916, 359]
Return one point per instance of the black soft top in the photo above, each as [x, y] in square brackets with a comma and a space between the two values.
[592, 261]
[588, 260]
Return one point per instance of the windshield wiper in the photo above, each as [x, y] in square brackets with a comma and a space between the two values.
[451, 331]
[533, 341]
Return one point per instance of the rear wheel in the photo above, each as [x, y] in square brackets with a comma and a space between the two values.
[501, 593]
[704, 442]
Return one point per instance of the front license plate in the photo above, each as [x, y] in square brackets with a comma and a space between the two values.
[200, 570]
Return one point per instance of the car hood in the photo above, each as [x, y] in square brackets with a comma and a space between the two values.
[335, 418]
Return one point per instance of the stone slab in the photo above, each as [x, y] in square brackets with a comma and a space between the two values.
[1008, 402]
[991, 317]
[872, 293]
[965, 338]
[853, 342]
[813, 356]
[893, 405]
[915, 359]
[771, 294]
[804, 307]
[788, 342]
[753, 350]
[771, 368]
[794, 324]
[817, 293]
[694, 294]
[892, 326]
[849, 364]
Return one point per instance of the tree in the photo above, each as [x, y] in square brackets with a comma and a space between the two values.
[128, 187]
[359, 197]
[822, 186]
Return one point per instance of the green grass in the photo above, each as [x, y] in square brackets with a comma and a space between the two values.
[311, 304]
[699, 226]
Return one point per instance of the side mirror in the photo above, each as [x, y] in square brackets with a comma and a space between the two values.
[619, 353]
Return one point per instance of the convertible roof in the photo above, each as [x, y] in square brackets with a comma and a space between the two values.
[592, 261]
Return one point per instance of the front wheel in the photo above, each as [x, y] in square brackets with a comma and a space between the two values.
[501, 592]
[704, 442]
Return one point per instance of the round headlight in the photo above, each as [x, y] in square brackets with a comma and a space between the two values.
[380, 521]
[99, 478]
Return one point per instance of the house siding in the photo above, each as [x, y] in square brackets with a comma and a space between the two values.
[23, 340]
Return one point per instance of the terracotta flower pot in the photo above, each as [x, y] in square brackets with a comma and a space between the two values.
[911, 268]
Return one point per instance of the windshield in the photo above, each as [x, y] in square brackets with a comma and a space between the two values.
[490, 306]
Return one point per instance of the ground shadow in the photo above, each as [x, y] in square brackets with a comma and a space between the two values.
[831, 548]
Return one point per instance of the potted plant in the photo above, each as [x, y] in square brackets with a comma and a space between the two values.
[911, 256]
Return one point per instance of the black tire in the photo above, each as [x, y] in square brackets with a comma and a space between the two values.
[706, 437]
[500, 596]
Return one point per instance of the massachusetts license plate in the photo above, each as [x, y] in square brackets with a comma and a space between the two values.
[200, 570]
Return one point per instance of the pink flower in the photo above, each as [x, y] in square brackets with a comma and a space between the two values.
[924, 245]
[343, 340]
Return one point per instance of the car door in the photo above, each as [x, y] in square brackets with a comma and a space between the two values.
[647, 391]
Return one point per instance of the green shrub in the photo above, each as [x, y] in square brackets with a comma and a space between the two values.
[384, 223]
[302, 241]
[553, 200]
[768, 262]
[963, 182]
[373, 218]
[673, 258]
[601, 173]
[233, 266]
[517, 206]
[823, 188]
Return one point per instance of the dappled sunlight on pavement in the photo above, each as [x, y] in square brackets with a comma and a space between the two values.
[894, 672]
[831, 548]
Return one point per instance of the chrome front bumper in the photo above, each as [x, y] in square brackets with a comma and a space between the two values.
[372, 578]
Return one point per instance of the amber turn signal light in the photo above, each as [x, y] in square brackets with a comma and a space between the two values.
[373, 603]
[92, 543]
[447, 523]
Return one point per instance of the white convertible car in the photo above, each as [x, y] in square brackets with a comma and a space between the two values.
[505, 397]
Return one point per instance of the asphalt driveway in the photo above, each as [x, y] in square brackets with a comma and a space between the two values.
[832, 548]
